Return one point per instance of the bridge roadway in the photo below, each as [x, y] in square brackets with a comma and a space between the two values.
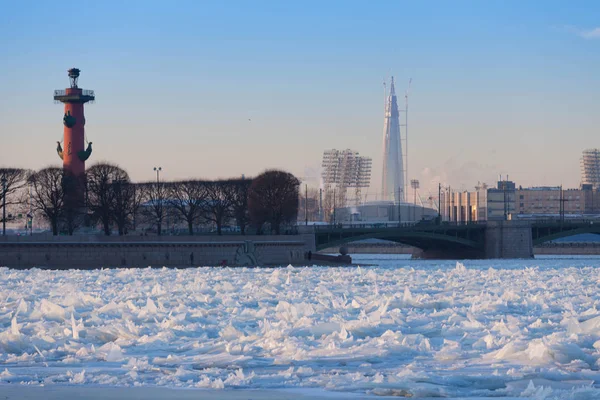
[490, 239]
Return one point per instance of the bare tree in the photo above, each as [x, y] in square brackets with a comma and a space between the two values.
[14, 180]
[126, 203]
[219, 201]
[154, 207]
[240, 189]
[187, 198]
[273, 198]
[48, 195]
[102, 181]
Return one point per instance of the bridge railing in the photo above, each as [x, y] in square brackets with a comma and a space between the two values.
[380, 225]
[433, 223]
[554, 221]
[569, 244]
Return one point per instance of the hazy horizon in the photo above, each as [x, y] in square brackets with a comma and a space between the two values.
[218, 90]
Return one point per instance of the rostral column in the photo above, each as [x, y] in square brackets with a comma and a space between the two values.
[74, 153]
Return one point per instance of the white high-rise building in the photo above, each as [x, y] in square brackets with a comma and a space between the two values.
[392, 182]
[590, 168]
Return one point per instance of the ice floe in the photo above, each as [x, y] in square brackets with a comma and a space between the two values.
[523, 329]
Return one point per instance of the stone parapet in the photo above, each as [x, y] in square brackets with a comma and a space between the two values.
[89, 252]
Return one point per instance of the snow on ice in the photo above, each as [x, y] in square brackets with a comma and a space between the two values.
[527, 329]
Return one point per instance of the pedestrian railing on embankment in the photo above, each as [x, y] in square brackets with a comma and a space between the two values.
[559, 245]
[568, 248]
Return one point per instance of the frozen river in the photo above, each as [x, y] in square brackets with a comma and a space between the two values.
[520, 328]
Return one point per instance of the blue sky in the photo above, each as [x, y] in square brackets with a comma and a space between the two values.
[209, 89]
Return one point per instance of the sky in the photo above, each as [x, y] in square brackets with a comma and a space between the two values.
[220, 89]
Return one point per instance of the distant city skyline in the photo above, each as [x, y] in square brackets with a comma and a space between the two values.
[218, 90]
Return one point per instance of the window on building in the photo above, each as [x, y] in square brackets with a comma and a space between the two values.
[521, 197]
[521, 205]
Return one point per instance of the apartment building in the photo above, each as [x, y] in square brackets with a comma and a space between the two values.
[506, 201]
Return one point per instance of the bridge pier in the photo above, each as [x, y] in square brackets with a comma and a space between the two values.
[508, 239]
[502, 239]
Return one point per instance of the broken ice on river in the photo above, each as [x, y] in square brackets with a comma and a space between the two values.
[405, 328]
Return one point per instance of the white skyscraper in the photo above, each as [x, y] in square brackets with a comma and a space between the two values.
[590, 168]
[392, 183]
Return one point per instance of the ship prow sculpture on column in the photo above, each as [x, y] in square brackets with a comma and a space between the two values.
[73, 151]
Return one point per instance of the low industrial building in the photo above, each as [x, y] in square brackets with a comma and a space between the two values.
[506, 201]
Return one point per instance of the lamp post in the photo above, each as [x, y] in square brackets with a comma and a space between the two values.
[561, 209]
[321, 204]
[414, 184]
[30, 213]
[3, 205]
[135, 207]
[334, 222]
[504, 199]
[305, 205]
[117, 186]
[448, 189]
[439, 203]
[159, 194]
[158, 169]
[399, 206]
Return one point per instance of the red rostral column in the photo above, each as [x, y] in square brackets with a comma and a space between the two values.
[74, 154]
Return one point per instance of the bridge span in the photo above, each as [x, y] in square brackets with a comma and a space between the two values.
[490, 239]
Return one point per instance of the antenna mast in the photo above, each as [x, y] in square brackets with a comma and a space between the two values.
[406, 136]
[385, 110]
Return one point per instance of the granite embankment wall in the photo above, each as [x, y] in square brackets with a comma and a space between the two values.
[545, 249]
[372, 248]
[87, 252]
[579, 249]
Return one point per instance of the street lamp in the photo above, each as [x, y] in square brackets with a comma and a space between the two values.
[160, 199]
[399, 206]
[158, 169]
[334, 206]
[439, 203]
[305, 205]
[414, 183]
[3, 205]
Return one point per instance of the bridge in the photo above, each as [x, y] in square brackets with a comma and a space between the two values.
[545, 231]
[491, 239]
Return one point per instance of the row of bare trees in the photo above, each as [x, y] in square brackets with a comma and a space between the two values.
[196, 202]
[107, 199]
